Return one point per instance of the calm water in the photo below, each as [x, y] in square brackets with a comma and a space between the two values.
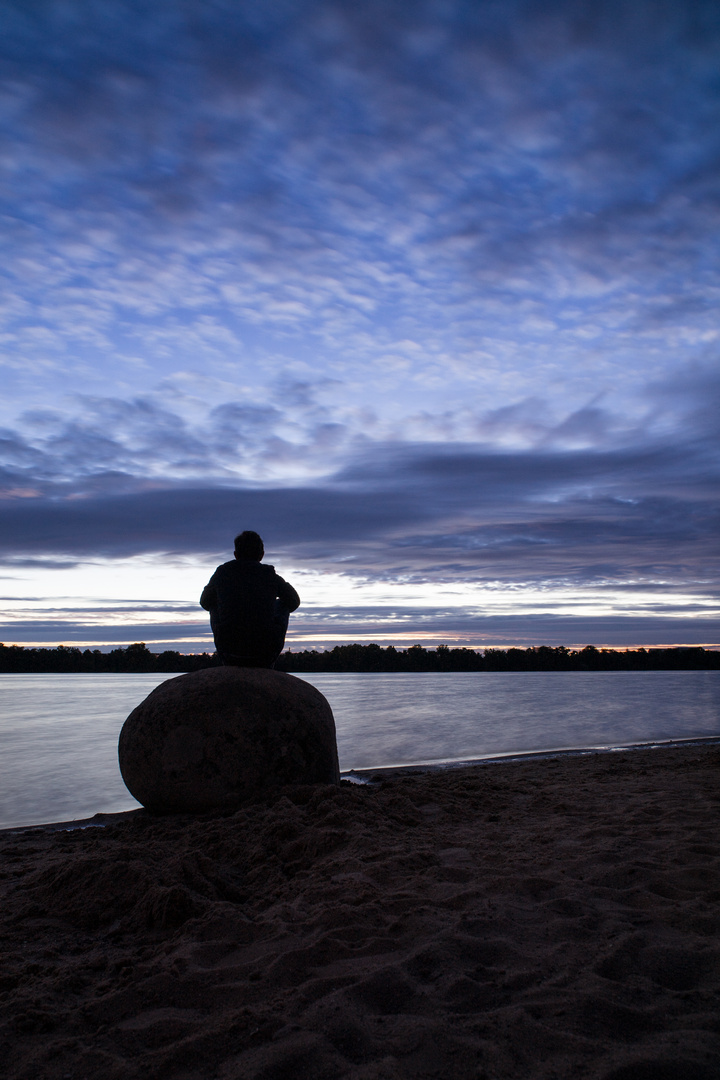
[58, 733]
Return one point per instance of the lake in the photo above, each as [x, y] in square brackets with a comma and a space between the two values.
[58, 733]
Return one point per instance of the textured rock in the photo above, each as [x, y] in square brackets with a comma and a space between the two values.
[212, 739]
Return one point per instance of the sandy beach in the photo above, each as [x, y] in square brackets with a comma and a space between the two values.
[552, 919]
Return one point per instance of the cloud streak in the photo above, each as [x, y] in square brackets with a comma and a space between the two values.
[449, 509]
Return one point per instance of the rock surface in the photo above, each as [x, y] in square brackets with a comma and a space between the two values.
[213, 739]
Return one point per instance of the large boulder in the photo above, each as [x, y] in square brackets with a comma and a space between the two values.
[213, 739]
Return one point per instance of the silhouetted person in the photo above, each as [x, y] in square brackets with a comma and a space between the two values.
[249, 606]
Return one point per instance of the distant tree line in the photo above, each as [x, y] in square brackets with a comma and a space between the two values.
[138, 659]
[539, 658]
[135, 658]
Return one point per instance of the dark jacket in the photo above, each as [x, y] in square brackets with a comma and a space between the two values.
[241, 598]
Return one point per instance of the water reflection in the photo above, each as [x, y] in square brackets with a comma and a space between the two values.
[58, 733]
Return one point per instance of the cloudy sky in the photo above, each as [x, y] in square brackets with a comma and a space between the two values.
[425, 293]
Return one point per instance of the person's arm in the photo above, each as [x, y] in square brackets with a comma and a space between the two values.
[208, 599]
[286, 593]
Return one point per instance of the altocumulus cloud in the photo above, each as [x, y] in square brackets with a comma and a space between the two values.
[376, 188]
[425, 293]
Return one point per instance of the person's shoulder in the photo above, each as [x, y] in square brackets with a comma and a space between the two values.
[272, 572]
[225, 568]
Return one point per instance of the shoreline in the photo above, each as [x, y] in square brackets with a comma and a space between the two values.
[365, 776]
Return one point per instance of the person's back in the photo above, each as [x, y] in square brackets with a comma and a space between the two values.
[249, 606]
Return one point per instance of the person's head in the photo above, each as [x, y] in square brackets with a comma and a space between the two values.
[248, 545]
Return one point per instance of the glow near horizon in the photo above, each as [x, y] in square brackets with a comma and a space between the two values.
[146, 591]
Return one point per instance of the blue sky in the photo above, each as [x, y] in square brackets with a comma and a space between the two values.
[426, 294]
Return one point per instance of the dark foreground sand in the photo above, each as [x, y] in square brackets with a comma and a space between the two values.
[549, 919]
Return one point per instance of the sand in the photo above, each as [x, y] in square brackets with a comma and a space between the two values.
[553, 919]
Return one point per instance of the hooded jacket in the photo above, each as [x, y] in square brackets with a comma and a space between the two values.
[241, 598]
